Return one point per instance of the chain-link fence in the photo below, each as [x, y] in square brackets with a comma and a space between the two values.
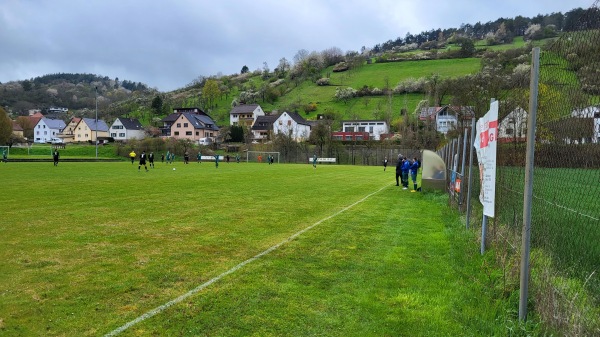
[564, 280]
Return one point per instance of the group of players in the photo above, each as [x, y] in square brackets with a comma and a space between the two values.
[404, 168]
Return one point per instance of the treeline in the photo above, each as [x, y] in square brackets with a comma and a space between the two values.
[574, 20]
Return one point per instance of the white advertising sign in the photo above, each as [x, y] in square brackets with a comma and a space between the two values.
[485, 146]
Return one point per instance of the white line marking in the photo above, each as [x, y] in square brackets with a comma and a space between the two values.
[179, 299]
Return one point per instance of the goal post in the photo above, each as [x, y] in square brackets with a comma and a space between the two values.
[261, 156]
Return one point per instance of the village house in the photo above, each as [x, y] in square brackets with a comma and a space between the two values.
[448, 117]
[68, 134]
[127, 128]
[292, 125]
[189, 123]
[513, 127]
[88, 129]
[362, 130]
[263, 127]
[46, 129]
[245, 114]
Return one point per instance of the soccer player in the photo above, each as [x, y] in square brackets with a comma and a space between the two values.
[385, 162]
[143, 161]
[398, 169]
[132, 156]
[199, 157]
[55, 156]
[151, 159]
[216, 161]
[315, 161]
[414, 169]
[405, 169]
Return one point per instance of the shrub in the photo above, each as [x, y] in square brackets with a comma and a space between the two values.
[309, 107]
[323, 81]
[342, 66]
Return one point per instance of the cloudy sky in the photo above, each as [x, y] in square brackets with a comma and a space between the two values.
[168, 43]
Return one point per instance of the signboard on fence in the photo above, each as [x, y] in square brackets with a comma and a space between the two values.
[485, 146]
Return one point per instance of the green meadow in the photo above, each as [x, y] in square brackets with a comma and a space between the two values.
[260, 250]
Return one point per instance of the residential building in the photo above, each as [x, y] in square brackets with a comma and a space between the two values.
[68, 134]
[189, 123]
[374, 128]
[448, 117]
[87, 129]
[263, 127]
[245, 114]
[46, 129]
[17, 130]
[292, 125]
[513, 127]
[127, 128]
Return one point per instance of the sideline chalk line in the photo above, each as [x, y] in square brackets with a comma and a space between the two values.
[181, 298]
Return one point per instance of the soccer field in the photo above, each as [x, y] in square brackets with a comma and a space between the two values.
[92, 249]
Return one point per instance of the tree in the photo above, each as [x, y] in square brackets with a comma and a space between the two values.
[27, 86]
[157, 105]
[5, 127]
[321, 134]
[211, 92]
[283, 67]
[27, 126]
[344, 95]
[244, 69]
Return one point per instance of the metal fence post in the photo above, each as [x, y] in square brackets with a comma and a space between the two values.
[470, 180]
[528, 192]
[462, 168]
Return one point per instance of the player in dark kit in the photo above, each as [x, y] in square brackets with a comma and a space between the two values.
[143, 161]
[55, 156]
[151, 159]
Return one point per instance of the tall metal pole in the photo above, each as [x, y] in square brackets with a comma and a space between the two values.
[528, 192]
[469, 184]
[96, 122]
[462, 168]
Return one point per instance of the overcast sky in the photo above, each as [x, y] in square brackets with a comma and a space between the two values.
[168, 43]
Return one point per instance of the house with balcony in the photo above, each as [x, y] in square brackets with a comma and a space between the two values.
[68, 133]
[189, 123]
[263, 127]
[447, 118]
[245, 114]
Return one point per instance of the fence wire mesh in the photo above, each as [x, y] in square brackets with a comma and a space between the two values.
[565, 224]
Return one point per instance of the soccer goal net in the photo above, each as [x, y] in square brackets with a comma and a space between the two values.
[261, 156]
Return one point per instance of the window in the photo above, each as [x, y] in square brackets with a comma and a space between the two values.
[289, 122]
[280, 122]
[37, 132]
[113, 134]
[86, 135]
[176, 133]
[122, 134]
[348, 137]
[188, 133]
[197, 133]
[178, 125]
[509, 131]
[361, 129]
[45, 132]
[349, 129]
[185, 125]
